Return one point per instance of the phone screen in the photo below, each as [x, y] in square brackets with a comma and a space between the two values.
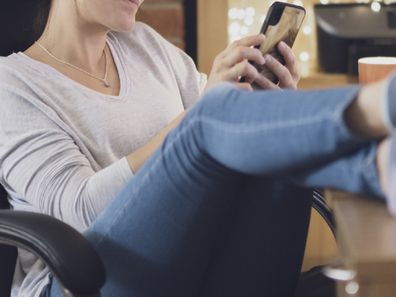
[282, 24]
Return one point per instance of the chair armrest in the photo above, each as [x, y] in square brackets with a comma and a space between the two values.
[320, 205]
[69, 255]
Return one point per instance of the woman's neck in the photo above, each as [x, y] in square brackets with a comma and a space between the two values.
[80, 42]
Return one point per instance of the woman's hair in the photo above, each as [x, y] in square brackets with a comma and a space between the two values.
[43, 9]
[21, 23]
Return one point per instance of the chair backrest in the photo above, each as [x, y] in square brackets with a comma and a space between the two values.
[18, 20]
[20, 25]
[7, 255]
[3, 199]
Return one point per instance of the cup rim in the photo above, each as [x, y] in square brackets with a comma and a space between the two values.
[378, 60]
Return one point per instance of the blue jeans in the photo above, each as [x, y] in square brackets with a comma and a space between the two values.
[219, 209]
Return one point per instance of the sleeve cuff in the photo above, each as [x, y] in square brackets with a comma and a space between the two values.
[203, 80]
[125, 170]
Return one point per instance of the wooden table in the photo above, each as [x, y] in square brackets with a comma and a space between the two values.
[324, 80]
[366, 233]
[366, 236]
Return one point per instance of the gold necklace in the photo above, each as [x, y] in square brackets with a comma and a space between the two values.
[104, 80]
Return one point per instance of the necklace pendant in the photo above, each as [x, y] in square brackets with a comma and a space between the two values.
[106, 84]
[104, 79]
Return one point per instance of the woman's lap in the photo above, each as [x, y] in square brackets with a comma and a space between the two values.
[265, 241]
[236, 245]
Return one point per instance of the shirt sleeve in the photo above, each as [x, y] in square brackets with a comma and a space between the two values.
[41, 164]
[190, 81]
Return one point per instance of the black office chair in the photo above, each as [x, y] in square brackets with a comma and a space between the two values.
[72, 259]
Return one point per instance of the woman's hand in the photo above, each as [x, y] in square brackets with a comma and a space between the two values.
[233, 63]
[288, 74]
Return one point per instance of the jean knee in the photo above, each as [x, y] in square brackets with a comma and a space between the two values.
[213, 101]
[221, 90]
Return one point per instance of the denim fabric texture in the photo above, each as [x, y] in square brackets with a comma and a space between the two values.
[222, 208]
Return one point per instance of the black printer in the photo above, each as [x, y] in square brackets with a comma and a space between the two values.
[347, 32]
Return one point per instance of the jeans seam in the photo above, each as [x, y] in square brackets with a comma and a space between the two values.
[229, 127]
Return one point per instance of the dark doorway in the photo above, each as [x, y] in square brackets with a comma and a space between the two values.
[190, 21]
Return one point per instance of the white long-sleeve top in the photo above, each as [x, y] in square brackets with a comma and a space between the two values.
[63, 145]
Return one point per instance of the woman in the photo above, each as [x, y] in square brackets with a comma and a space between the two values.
[197, 215]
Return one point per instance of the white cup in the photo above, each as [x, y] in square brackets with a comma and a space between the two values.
[372, 69]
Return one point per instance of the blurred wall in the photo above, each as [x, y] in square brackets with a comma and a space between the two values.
[222, 21]
[166, 17]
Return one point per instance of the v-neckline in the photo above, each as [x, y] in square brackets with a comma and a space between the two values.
[123, 77]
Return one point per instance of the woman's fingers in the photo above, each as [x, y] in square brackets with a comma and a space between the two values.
[243, 49]
[265, 83]
[290, 59]
[248, 41]
[232, 63]
[242, 69]
[242, 53]
[286, 80]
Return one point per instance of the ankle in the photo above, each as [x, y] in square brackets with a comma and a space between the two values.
[365, 116]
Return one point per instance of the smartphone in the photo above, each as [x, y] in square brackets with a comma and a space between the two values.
[282, 23]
